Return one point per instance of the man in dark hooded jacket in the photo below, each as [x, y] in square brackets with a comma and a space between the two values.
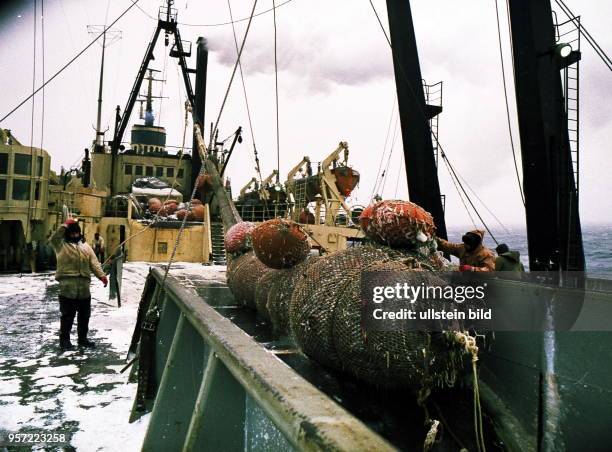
[473, 255]
[508, 260]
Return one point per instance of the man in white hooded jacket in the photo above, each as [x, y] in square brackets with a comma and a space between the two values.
[75, 263]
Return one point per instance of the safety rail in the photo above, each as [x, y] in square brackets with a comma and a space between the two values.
[260, 212]
[220, 390]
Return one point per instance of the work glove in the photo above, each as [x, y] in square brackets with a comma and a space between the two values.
[104, 280]
[466, 268]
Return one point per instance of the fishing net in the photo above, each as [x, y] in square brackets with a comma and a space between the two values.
[262, 292]
[243, 275]
[325, 320]
[279, 297]
[391, 358]
[314, 296]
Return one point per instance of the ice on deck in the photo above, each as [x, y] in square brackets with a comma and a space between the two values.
[80, 391]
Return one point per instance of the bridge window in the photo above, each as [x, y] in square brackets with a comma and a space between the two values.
[22, 164]
[138, 170]
[39, 166]
[2, 188]
[37, 191]
[128, 170]
[149, 170]
[159, 171]
[21, 190]
[180, 173]
[169, 172]
[3, 163]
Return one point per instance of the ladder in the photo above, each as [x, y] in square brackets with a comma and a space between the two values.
[218, 245]
[433, 97]
[569, 32]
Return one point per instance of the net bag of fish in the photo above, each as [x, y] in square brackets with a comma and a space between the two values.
[410, 359]
[243, 274]
[280, 292]
[262, 292]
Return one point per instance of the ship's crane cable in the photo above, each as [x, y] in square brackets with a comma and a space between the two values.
[381, 175]
[386, 172]
[382, 155]
[63, 68]
[503, 71]
[276, 95]
[229, 86]
[248, 108]
[246, 98]
[598, 50]
[434, 135]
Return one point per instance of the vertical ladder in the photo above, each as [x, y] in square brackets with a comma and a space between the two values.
[569, 32]
[218, 245]
[433, 97]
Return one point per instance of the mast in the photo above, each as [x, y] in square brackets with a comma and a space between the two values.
[551, 196]
[99, 145]
[414, 113]
[113, 36]
[200, 102]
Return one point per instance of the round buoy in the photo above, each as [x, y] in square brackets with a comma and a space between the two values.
[280, 243]
[238, 238]
[397, 223]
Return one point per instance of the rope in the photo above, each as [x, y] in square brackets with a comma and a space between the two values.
[430, 438]
[227, 91]
[63, 68]
[503, 70]
[276, 96]
[470, 346]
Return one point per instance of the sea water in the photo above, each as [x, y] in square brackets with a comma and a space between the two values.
[597, 242]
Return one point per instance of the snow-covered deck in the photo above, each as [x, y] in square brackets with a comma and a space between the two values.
[79, 391]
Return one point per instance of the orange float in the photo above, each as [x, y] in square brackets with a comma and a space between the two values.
[280, 243]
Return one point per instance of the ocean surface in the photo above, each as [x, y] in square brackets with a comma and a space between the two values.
[597, 241]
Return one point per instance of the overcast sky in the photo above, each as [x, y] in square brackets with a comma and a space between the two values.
[335, 80]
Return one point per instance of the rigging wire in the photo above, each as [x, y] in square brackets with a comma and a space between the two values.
[503, 70]
[382, 155]
[63, 68]
[483, 204]
[598, 50]
[246, 99]
[229, 86]
[399, 174]
[42, 32]
[220, 24]
[434, 135]
[276, 96]
[386, 171]
[381, 175]
[460, 195]
[32, 158]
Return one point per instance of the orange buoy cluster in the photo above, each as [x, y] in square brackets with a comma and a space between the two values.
[280, 243]
[238, 238]
[398, 224]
